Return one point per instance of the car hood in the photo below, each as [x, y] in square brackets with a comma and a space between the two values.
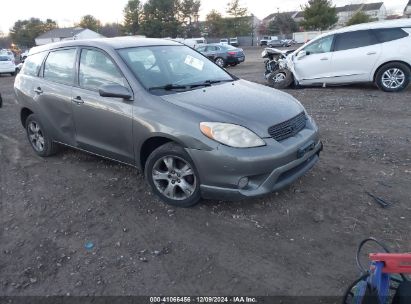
[241, 102]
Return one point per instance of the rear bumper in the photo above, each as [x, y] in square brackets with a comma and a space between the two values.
[267, 169]
[235, 59]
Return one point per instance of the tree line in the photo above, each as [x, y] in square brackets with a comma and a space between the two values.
[154, 18]
[180, 18]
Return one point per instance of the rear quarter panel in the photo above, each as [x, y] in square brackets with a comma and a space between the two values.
[397, 50]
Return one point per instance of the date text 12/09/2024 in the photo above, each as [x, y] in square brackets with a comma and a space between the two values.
[238, 299]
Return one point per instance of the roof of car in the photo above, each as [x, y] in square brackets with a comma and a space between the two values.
[113, 43]
[371, 25]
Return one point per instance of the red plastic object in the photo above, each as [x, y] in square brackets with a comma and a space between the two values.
[393, 262]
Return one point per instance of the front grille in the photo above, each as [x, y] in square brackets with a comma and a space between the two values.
[288, 128]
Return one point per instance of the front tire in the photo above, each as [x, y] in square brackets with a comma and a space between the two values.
[172, 175]
[41, 143]
[393, 77]
[280, 79]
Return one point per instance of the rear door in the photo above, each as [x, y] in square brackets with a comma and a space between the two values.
[315, 67]
[354, 57]
[103, 124]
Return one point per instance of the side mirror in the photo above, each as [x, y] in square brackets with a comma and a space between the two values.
[301, 54]
[115, 90]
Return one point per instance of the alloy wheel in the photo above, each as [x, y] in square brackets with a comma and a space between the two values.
[393, 78]
[279, 77]
[174, 178]
[36, 136]
[220, 62]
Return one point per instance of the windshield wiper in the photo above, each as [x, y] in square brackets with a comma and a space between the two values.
[208, 83]
[169, 87]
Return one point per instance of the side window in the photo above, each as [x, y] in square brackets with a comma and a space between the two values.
[96, 69]
[211, 49]
[320, 46]
[32, 64]
[390, 34]
[353, 40]
[201, 49]
[59, 66]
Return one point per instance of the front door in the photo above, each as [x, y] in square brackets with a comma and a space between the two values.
[103, 125]
[315, 66]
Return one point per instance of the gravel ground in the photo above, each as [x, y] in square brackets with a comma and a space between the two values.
[299, 241]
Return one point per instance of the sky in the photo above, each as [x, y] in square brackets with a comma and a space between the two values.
[67, 13]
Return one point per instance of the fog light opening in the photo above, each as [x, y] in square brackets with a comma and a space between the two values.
[243, 182]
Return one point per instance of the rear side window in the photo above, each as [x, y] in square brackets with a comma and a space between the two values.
[96, 69]
[59, 66]
[353, 40]
[390, 34]
[4, 58]
[32, 64]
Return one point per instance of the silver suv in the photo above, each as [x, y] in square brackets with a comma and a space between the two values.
[194, 129]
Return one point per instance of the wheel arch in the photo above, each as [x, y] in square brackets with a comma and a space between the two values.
[24, 113]
[152, 143]
[389, 62]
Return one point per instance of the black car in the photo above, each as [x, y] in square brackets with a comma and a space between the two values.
[223, 54]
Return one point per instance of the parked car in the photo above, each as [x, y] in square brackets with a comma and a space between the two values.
[223, 55]
[8, 53]
[275, 43]
[378, 52]
[224, 41]
[195, 42]
[7, 66]
[23, 55]
[194, 129]
[264, 41]
[234, 42]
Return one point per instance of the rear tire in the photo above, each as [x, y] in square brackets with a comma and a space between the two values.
[280, 79]
[172, 175]
[393, 77]
[38, 137]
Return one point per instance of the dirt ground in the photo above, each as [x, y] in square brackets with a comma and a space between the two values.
[299, 241]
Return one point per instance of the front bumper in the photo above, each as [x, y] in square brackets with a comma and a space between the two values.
[267, 168]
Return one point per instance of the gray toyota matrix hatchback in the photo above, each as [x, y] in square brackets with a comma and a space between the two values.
[194, 129]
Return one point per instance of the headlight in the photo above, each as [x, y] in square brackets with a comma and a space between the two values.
[231, 135]
[264, 53]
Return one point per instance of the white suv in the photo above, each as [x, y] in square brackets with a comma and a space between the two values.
[377, 52]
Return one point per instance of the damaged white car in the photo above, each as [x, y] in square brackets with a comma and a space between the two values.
[378, 52]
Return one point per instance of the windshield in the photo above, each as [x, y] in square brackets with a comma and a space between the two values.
[172, 68]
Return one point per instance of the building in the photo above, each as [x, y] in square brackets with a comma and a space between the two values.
[376, 11]
[69, 33]
[407, 10]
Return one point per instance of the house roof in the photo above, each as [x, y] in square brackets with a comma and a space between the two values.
[348, 8]
[61, 33]
[299, 15]
[372, 6]
[271, 16]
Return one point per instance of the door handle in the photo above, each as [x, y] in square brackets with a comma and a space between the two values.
[371, 53]
[38, 90]
[324, 59]
[77, 100]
